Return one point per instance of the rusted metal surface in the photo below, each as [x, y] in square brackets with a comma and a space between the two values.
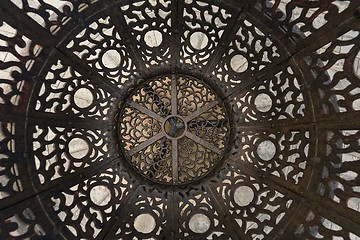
[180, 119]
[174, 129]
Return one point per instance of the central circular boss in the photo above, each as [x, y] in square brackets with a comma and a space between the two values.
[173, 129]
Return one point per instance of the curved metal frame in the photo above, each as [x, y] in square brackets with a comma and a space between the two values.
[147, 129]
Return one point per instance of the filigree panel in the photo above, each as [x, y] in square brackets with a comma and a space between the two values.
[65, 91]
[148, 218]
[154, 161]
[315, 226]
[150, 24]
[17, 56]
[10, 178]
[193, 95]
[23, 223]
[195, 160]
[212, 126]
[198, 217]
[250, 51]
[54, 14]
[257, 208]
[336, 73]
[60, 151]
[204, 25]
[303, 17]
[340, 175]
[277, 98]
[137, 128]
[100, 45]
[87, 207]
[282, 154]
[155, 96]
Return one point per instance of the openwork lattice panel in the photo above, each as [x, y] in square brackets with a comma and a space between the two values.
[316, 226]
[200, 35]
[149, 217]
[171, 132]
[91, 202]
[150, 24]
[57, 14]
[282, 154]
[199, 216]
[23, 222]
[304, 17]
[67, 92]
[335, 67]
[9, 169]
[257, 208]
[277, 98]
[59, 151]
[17, 55]
[102, 47]
[340, 178]
[179, 119]
[249, 52]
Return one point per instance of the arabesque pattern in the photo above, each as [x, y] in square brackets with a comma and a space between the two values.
[179, 119]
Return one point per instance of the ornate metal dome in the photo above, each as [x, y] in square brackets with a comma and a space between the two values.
[179, 119]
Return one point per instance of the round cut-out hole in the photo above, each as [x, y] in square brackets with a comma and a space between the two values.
[263, 102]
[144, 223]
[356, 104]
[199, 223]
[239, 63]
[243, 196]
[153, 38]
[78, 148]
[266, 150]
[100, 195]
[111, 59]
[83, 98]
[356, 65]
[199, 40]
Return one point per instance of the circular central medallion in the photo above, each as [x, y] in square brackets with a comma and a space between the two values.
[173, 129]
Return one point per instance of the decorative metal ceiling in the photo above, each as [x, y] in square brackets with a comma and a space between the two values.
[180, 119]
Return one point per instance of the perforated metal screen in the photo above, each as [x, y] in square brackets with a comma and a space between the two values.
[182, 119]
